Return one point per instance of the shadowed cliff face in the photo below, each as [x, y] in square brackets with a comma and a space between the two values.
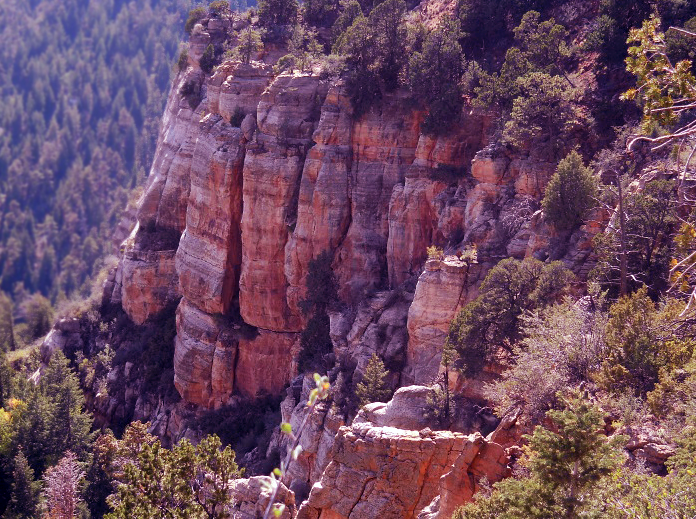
[232, 217]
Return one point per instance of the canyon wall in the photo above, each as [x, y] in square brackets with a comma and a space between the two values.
[232, 216]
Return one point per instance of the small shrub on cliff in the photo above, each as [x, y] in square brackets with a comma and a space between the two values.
[642, 343]
[433, 76]
[562, 347]
[182, 60]
[195, 16]
[570, 193]
[208, 60]
[219, 7]
[493, 320]
[321, 293]
[249, 43]
[373, 388]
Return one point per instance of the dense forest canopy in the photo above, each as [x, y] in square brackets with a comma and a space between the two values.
[83, 87]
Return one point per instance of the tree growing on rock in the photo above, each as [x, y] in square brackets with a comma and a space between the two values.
[373, 387]
[321, 293]
[567, 465]
[276, 13]
[248, 44]
[434, 74]
[493, 319]
[570, 193]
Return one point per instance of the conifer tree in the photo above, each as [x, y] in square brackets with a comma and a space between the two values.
[62, 491]
[373, 387]
[566, 467]
[69, 425]
[570, 193]
[24, 500]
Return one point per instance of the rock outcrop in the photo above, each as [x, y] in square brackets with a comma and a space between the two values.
[389, 472]
[256, 174]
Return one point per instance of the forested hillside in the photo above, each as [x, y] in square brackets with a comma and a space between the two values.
[83, 87]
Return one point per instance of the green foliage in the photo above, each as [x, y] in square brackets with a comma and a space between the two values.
[374, 50]
[539, 48]
[182, 60]
[80, 120]
[661, 87]
[321, 294]
[274, 13]
[543, 112]
[218, 7]
[493, 319]
[7, 337]
[321, 13]
[487, 25]
[570, 193]
[249, 44]
[650, 496]
[24, 499]
[680, 46]
[304, 49]
[563, 346]
[38, 315]
[184, 482]
[195, 15]
[208, 61]
[373, 387]
[52, 420]
[640, 344]
[567, 465]
[434, 74]
[650, 224]
[351, 12]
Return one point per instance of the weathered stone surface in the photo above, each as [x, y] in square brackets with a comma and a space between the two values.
[377, 327]
[389, 472]
[209, 257]
[204, 356]
[265, 362]
[316, 439]
[406, 410]
[384, 144]
[236, 85]
[323, 208]
[287, 114]
[163, 204]
[64, 333]
[443, 289]
[251, 498]
[149, 281]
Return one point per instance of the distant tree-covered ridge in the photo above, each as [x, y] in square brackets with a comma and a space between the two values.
[83, 87]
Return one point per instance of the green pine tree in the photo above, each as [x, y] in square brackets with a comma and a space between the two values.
[69, 424]
[373, 387]
[567, 466]
[24, 500]
[570, 193]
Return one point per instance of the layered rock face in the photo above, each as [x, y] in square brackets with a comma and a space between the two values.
[233, 215]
